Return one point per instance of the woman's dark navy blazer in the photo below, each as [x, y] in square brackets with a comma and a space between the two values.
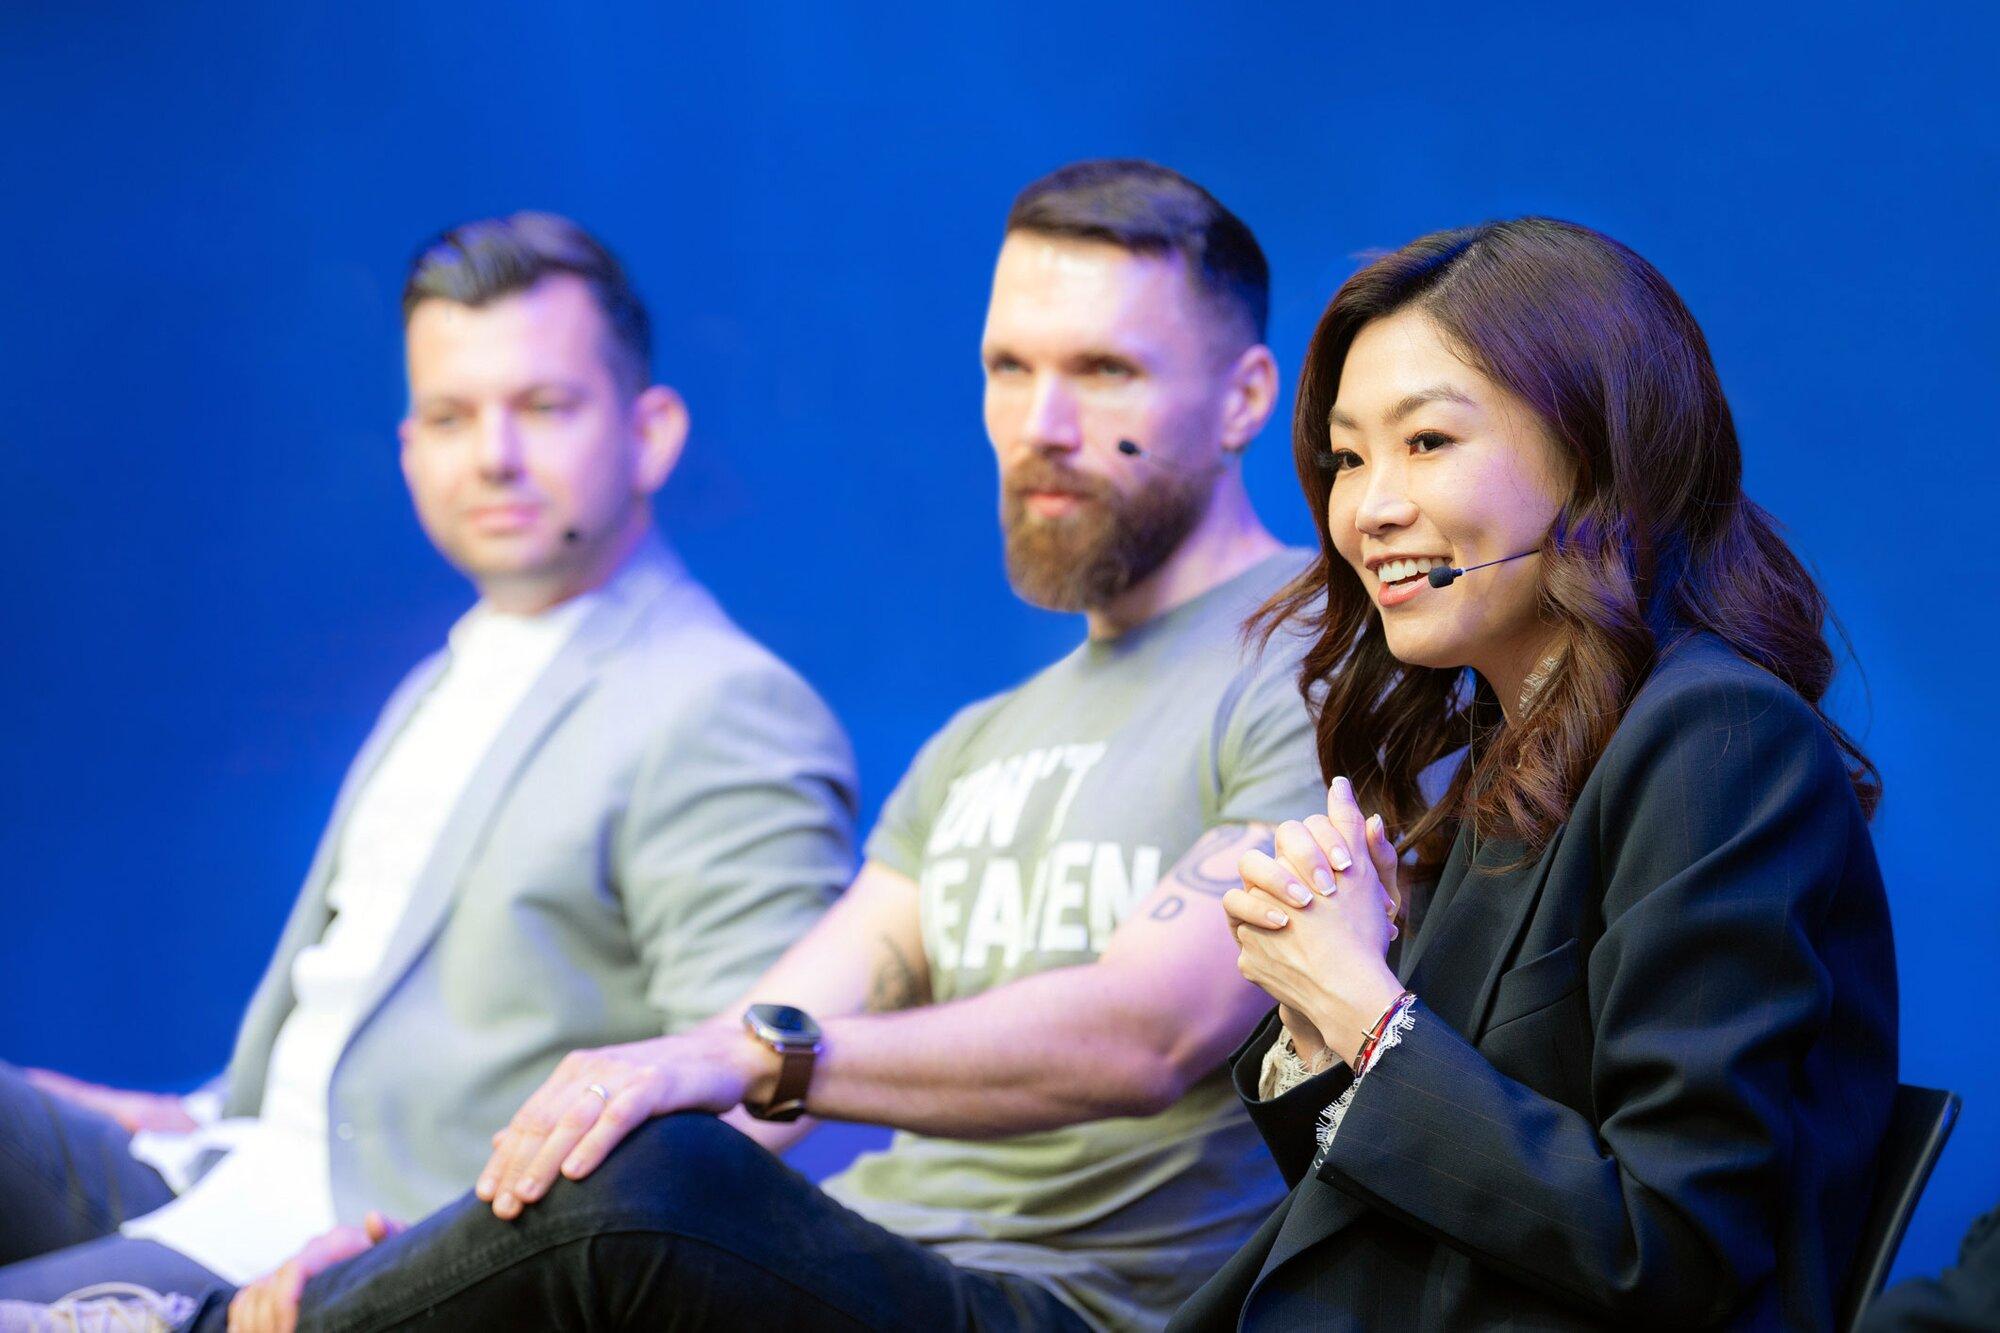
[1649, 1071]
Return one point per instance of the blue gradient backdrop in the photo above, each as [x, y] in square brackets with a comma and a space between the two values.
[214, 577]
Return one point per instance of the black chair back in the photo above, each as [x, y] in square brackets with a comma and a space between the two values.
[1918, 1127]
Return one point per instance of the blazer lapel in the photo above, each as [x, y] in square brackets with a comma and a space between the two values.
[566, 679]
[1448, 881]
[309, 917]
[1470, 941]
[272, 999]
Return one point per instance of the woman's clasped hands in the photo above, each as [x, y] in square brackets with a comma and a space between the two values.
[1313, 922]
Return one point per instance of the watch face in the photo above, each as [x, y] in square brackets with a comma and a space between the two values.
[784, 1023]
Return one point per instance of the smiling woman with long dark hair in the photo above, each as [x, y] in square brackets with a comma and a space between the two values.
[1636, 1060]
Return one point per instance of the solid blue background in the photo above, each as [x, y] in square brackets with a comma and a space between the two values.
[215, 578]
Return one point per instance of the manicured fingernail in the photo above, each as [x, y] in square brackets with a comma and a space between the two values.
[484, 1189]
[1297, 893]
[1341, 860]
[1323, 880]
[1375, 827]
[572, 1166]
[1342, 787]
[1276, 918]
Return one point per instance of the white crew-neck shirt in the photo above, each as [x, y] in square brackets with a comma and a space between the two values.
[273, 1191]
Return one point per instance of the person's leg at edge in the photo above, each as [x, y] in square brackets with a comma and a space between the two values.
[113, 1258]
[67, 1175]
[68, 1180]
[688, 1225]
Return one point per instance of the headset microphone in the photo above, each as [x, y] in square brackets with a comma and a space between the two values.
[1132, 449]
[1444, 576]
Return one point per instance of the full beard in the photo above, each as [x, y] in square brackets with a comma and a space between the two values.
[1107, 544]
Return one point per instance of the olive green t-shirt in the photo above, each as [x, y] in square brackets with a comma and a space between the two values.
[1033, 823]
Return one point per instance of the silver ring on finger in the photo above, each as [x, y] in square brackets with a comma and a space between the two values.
[603, 1094]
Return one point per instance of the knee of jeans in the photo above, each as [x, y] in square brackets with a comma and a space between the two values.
[682, 1156]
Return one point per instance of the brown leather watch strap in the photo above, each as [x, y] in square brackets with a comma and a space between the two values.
[788, 1098]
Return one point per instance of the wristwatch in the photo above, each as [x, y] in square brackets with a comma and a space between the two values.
[795, 1037]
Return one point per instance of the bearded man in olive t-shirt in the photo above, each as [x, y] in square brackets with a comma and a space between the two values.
[1031, 979]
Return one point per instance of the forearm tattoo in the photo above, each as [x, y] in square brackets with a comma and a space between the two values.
[1209, 868]
[896, 983]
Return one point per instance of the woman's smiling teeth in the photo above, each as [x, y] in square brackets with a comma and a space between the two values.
[1396, 571]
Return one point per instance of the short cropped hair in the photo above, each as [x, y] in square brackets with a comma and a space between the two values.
[478, 262]
[1149, 209]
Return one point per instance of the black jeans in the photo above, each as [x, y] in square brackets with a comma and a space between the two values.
[688, 1225]
[68, 1180]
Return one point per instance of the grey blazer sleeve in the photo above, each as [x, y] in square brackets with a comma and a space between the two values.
[739, 834]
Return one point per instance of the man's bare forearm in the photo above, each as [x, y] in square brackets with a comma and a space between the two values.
[1047, 1050]
[1125, 1035]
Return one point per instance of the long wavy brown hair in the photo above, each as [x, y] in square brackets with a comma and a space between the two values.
[1656, 539]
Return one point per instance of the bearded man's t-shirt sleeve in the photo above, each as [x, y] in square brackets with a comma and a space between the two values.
[1266, 759]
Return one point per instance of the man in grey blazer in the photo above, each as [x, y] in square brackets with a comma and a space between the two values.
[597, 816]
